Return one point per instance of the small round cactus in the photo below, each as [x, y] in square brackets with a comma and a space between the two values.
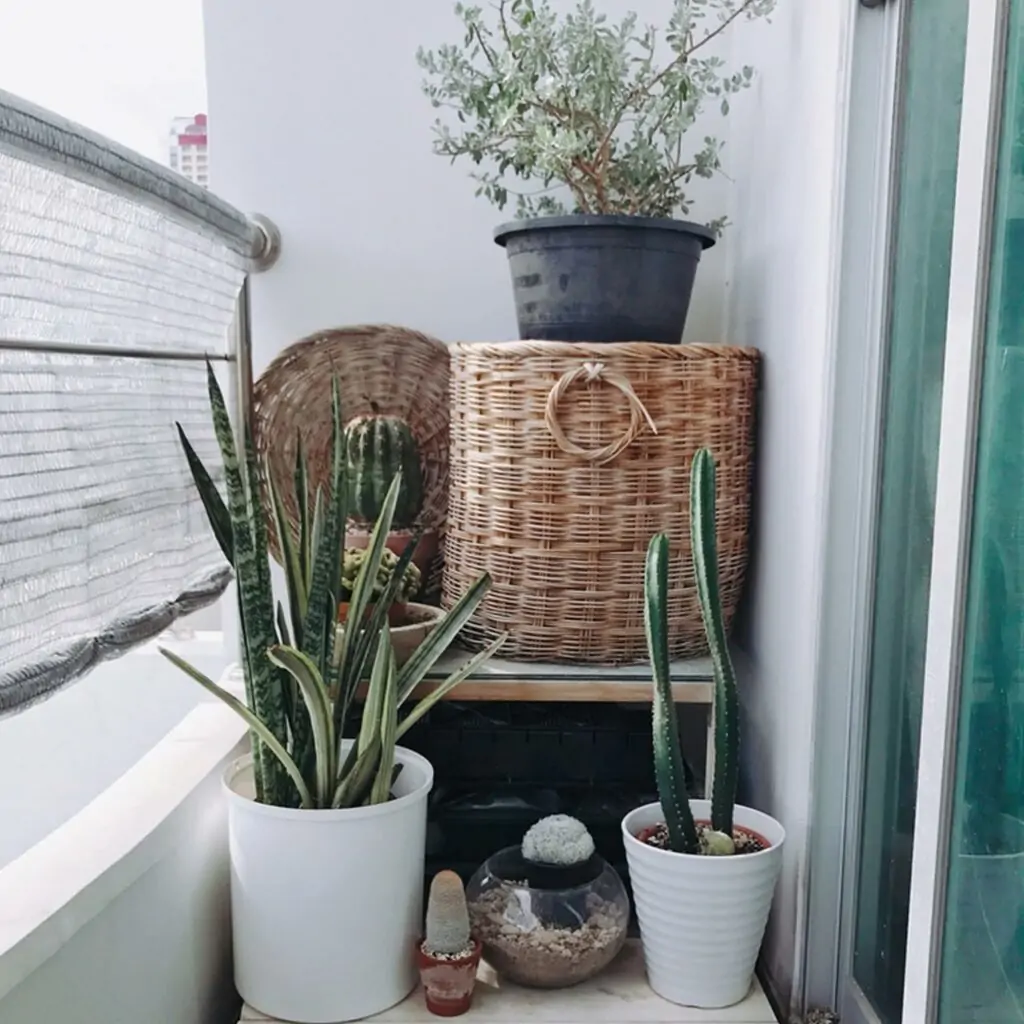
[558, 840]
[447, 916]
[717, 844]
[352, 562]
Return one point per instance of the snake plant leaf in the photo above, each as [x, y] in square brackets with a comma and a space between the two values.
[379, 613]
[321, 612]
[355, 784]
[381, 790]
[318, 704]
[216, 511]
[347, 678]
[462, 673]
[669, 770]
[270, 741]
[727, 705]
[291, 560]
[302, 505]
[440, 638]
[255, 618]
[374, 703]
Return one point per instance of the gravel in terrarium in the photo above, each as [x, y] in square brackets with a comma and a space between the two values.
[550, 912]
[530, 952]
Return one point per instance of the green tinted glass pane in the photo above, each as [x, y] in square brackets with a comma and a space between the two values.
[932, 89]
[983, 964]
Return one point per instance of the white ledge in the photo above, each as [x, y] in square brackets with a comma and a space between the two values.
[68, 878]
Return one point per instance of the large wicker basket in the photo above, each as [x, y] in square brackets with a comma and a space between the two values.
[564, 460]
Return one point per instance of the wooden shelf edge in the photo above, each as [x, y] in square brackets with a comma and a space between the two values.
[591, 690]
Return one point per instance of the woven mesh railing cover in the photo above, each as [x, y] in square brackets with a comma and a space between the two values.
[103, 542]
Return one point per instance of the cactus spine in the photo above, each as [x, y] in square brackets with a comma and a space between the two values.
[447, 916]
[727, 705]
[378, 448]
[668, 758]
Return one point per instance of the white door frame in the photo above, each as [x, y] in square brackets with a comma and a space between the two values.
[965, 334]
[853, 481]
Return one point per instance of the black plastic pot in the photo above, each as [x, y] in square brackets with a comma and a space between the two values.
[590, 277]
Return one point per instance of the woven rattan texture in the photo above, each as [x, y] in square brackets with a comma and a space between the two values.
[563, 536]
[381, 369]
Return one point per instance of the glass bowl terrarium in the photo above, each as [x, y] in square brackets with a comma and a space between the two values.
[551, 912]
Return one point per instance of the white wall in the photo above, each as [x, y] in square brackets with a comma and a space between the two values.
[317, 120]
[787, 206]
[122, 914]
[57, 756]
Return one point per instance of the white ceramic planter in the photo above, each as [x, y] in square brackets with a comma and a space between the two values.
[326, 906]
[702, 918]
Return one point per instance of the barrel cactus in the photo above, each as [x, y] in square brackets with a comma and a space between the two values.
[447, 917]
[669, 768]
[378, 448]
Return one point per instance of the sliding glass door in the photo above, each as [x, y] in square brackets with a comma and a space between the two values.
[967, 911]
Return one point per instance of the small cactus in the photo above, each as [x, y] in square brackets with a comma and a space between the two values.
[558, 840]
[447, 916]
[352, 562]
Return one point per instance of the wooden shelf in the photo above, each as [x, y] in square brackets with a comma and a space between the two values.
[619, 995]
[504, 680]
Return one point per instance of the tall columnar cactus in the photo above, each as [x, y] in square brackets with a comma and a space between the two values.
[378, 448]
[447, 916]
[727, 704]
[668, 757]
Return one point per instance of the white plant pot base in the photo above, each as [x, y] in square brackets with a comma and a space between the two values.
[326, 906]
[702, 918]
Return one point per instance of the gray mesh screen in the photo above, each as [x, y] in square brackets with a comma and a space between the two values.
[109, 299]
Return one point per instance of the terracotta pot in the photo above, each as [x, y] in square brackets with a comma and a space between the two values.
[409, 628]
[448, 984]
[396, 543]
[398, 613]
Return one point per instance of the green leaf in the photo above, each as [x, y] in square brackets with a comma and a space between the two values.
[381, 790]
[440, 638]
[255, 724]
[356, 783]
[318, 704]
[291, 561]
[216, 511]
[462, 673]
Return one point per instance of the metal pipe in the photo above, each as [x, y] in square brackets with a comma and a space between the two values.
[243, 358]
[73, 348]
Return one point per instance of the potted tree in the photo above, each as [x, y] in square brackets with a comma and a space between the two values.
[327, 831]
[586, 124]
[703, 872]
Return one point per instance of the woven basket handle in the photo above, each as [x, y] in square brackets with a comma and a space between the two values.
[638, 414]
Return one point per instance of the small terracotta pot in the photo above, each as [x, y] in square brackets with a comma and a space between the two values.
[448, 984]
[398, 614]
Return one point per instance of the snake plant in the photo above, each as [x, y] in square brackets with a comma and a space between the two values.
[301, 672]
[669, 765]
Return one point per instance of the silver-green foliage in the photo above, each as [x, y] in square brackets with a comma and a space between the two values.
[301, 672]
[579, 105]
[668, 757]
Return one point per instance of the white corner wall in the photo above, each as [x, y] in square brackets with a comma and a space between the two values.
[122, 915]
[317, 120]
[784, 272]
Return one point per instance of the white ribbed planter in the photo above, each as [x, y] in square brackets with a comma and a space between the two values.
[326, 906]
[702, 918]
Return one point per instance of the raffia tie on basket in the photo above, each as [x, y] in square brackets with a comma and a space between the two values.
[589, 372]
